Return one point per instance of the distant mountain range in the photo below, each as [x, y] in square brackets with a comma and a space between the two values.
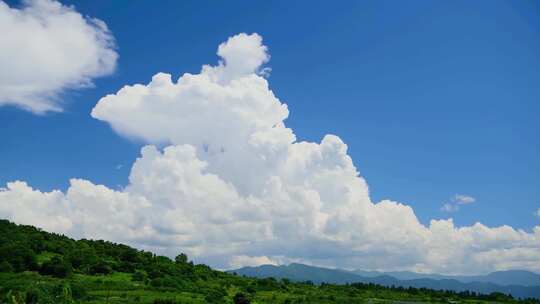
[510, 277]
[519, 283]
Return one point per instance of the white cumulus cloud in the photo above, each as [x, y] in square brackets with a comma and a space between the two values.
[244, 261]
[46, 48]
[223, 179]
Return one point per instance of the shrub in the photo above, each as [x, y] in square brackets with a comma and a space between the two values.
[13, 297]
[164, 301]
[215, 296]
[78, 291]
[164, 282]
[100, 268]
[241, 298]
[32, 296]
[56, 267]
[5, 266]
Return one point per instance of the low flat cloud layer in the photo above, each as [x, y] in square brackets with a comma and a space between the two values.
[46, 48]
[234, 186]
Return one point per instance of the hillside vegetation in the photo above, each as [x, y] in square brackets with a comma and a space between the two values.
[41, 267]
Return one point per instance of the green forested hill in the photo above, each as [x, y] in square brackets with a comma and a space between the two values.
[42, 267]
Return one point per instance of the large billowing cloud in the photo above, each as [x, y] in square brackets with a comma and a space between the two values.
[46, 48]
[233, 186]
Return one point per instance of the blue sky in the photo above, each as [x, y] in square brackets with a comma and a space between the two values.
[433, 98]
[437, 102]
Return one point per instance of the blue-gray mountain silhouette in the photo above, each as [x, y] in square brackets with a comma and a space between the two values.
[519, 283]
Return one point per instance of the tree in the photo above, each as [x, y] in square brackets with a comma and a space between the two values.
[241, 298]
[56, 267]
[139, 276]
[19, 256]
[181, 259]
[82, 257]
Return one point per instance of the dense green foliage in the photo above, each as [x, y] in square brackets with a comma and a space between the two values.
[40, 267]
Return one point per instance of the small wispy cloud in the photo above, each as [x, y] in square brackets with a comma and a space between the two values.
[537, 213]
[462, 199]
[449, 207]
[456, 201]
